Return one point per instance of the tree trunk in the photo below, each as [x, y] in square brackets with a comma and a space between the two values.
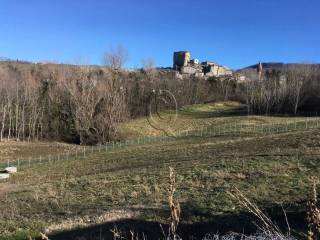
[4, 113]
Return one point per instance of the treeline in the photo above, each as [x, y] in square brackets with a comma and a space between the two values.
[291, 89]
[85, 104]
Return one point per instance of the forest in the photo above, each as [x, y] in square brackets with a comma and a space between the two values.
[84, 104]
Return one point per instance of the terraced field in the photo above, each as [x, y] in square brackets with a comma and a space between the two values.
[131, 181]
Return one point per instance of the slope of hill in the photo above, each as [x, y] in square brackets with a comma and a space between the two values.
[131, 181]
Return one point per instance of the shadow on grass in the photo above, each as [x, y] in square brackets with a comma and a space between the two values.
[222, 224]
[241, 111]
[153, 230]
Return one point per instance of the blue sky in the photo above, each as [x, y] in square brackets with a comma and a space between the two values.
[236, 33]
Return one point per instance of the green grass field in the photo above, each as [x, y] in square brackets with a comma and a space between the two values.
[202, 116]
[132, 181]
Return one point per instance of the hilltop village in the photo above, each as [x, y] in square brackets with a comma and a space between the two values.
[186, 66]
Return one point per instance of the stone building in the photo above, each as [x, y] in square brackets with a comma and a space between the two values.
[187, 66]
[180, 59]
[211, 69]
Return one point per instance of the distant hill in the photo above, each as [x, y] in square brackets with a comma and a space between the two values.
[274, 65]
[279, 65]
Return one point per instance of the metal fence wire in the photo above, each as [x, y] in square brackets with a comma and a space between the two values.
[237, 129]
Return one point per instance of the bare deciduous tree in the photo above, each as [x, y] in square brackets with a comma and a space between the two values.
[148, 63]
[298, 78]
[115, 57]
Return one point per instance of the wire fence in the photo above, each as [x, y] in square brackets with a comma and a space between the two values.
[234, 130]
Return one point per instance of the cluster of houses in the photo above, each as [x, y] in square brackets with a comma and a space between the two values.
[184, 65]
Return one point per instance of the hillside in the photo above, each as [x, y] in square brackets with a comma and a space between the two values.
[193, 117]
[270, 159]
[280, 65]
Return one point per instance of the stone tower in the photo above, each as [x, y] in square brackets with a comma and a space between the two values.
[181, 59]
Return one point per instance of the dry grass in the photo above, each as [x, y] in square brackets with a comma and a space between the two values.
[12, 150]
[266, 224]
[199, 116]
[313, 216]
[91, 220]
[268, 169]
[174, 207]
[137, 177]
